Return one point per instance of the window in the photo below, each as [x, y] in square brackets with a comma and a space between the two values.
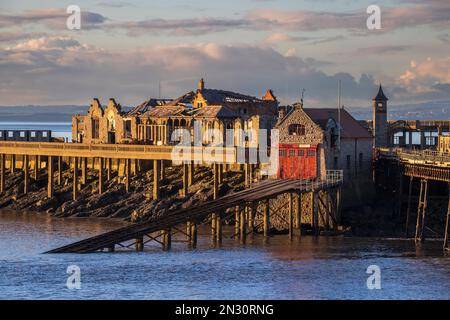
[10, 134]
[291, 153]
[361, 160]
[349, 161]
[301, 153]
[95, 128]
[33, 134]
[283, 153]
[22, 134]
[311, 153]
[296, 130]
[44, 134]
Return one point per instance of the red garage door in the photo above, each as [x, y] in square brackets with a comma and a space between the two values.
[297, 161]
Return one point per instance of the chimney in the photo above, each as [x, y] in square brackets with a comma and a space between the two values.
[201, 84]
[281, 112]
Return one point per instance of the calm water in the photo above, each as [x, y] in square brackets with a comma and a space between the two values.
[328, 268]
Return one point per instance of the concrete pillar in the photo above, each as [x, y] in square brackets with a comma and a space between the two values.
[156, 180]
[60, 170]
[127, 174]
[266, 217]
[75, 178]
[84, 170]
[139, 244]
[50, 170]
[26, 174]
[101, 179]
[185, 179]
[2, 173]
[215, 181]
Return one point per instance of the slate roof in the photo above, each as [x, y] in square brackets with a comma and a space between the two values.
[215, 96]
[350, 127]
[380, 95]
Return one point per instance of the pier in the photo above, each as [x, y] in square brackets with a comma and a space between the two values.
[425, 166]
[248, 206]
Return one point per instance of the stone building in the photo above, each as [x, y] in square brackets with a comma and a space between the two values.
[154, 121]
[311, 142]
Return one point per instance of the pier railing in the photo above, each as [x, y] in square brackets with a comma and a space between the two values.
[432, 156]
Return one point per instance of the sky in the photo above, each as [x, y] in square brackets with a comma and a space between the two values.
[134, 50]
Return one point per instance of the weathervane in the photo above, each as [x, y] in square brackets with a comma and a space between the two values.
[303, 95]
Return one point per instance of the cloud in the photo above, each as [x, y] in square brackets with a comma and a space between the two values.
[54, 18]
[62, 70]
[9, 36]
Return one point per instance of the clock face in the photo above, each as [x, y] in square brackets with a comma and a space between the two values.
[380, 106]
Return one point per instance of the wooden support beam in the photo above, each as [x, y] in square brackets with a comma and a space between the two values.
[421, 211]
[26, 174]
[219, 222]
[163, 170]
[36, 168]
[188, 232]
[251, 218]
[101, 179]
[84, 170]
[139, 244]
[193, 234]
[215, 181]
[12, 165]
[315, 215]
[75, 178]
[2, 173]
[219, 173]
[408, 210]
[185, 180]
[191, 173]
[298, 215]
[108, 169]
[291, 214]
[447, 224]
[50, 171]
[237, 217]
[243, 226]
[213, 227]
[246, 175]
[60, 170]
[166, 237]
[156, 180]
[127, 174]
[266, 219]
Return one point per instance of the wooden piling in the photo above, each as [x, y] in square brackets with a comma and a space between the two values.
[2, 173]
[190, 173]
[219, 228]
[101, 179]
[298, 215]
[108, 169]
[26, 175]
[185, 179]
[266, 217]
[243, 226]
[166, 237]
[421, 210]
[163, 170]
[237, 217]
[315, 215]
[13, 163]
[291, 215]
[251, 218]
[60, 170]
[156, 180]
[127, 174]
[215, 181]
[50, 172]
[447, 224]
[408, 210]
[193, 233]
[36, 168]
[75, 178]
[83, 171]
[139, 244]
[213, 227]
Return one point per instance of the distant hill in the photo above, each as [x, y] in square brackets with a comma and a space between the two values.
[438, 110]
[421, 111]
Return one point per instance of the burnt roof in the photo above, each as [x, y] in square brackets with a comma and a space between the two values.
[350, 127]
[215, 96]
[147, 105]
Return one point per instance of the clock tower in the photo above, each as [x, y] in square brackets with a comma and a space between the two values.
[380, 125]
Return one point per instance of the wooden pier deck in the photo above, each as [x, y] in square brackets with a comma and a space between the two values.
[197, 214]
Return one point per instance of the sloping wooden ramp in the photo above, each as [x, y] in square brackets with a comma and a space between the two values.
[198, 213]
